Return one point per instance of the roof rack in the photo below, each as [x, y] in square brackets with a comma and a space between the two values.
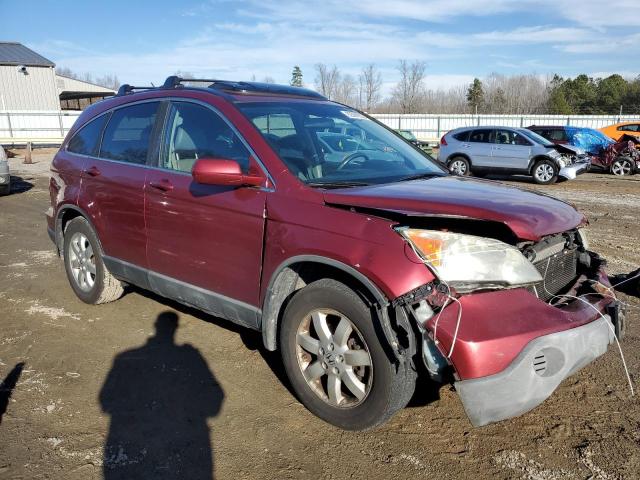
[255, 87]
[126, 88]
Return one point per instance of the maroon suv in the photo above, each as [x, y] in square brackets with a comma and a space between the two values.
[355, 254]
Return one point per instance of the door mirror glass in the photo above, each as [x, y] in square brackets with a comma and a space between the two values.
[224, 172]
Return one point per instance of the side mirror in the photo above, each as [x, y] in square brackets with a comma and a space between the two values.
[220, 171]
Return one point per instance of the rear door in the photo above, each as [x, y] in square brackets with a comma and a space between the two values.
[511, 150]
[478, 146]
[114, 180]
[204, 241]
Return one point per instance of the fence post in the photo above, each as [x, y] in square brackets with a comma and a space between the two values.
[9, 123]
[399, 122]
[521, 121]
[438, 127]
[61, 124]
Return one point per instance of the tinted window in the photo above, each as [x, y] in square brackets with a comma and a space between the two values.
[629, 128]
[462, 136]
[480, 136]
[127, 135]
[194, 132]
[87, 140]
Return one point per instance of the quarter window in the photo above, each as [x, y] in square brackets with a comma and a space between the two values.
[87, 140]
[195, 131]
[480, 136]
[128, 133]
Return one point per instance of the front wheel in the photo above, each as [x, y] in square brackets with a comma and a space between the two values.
[545, 172]
[622, 166]
[336, 361]
[87, 274]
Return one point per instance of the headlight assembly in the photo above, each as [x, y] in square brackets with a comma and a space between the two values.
[468, 262]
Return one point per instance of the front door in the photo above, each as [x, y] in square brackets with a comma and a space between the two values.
[511, 150]
[204, 242]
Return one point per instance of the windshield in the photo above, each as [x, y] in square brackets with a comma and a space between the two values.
[329, 144]
[536, 138]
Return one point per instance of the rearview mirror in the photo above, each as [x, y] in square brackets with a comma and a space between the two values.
[221, 171]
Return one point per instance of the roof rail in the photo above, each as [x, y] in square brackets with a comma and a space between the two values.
[174, 81]
[126, 88]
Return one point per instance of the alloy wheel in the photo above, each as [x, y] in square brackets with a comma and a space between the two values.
[544, 172]
[458, 167]
[621, 167]
[334, 358]
[82, 261]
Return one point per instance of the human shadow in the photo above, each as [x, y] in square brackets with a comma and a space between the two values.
[159, 397]
[628, 283]
[7, 386]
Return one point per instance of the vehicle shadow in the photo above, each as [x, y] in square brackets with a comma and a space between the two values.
[19, 185]
[628, 283]
[7, 386]
[159, 397]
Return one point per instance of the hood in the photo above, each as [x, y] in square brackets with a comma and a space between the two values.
[529, 215]
[568, 149]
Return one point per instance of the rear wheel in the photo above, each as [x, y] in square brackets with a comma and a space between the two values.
[545, 172]
[460, 166]
[335, 359]
[622, 166]
[87, 274]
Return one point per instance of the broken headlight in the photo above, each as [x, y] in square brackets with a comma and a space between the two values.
[468, 262]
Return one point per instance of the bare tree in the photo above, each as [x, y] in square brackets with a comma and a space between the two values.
[268, 79]
[370, 87]
[107, 81]
[327, 80]
[409, 91]
[346, 90]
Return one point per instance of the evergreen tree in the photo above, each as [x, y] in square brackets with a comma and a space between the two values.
[475, 95]
[296, 77]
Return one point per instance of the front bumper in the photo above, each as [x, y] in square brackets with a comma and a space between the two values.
[535, 373]
[572, 171]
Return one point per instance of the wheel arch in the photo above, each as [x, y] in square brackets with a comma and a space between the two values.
[296, 272]
[458, 154]
[65, 214]
[536, 159]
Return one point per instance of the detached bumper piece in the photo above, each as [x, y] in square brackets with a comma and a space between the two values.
[572, 171]
[535, 373]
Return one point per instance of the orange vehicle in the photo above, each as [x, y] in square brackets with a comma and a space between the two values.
[616, 130]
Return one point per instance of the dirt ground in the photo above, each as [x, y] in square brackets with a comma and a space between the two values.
[55, 424]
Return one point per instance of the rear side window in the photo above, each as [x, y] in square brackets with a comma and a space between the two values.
[461, 136]
[87, 140]
[629, 128]
[128, 132]
[480, 136]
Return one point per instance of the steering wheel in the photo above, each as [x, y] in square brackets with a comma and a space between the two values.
[349, 158]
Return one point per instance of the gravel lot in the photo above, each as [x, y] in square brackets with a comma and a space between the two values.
[55, 427]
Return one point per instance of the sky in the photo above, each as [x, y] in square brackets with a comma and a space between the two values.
[143, 42]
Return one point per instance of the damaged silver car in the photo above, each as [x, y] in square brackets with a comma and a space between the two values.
[509, 150]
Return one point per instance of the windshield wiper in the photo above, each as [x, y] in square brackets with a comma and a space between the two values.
[337, 184]
[420, 176]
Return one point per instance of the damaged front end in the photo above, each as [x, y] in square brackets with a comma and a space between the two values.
[572, 161]
[524, 317]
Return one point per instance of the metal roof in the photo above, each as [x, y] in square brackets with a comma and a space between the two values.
[13, 53]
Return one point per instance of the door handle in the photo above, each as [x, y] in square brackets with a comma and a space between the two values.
[163, 185]
[92, 171]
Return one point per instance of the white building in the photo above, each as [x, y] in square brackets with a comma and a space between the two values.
[28, 82]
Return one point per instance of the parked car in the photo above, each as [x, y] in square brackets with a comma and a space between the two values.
[617, 130]
[619, 157]
[422, 145]
[5, 176]
[507, 150]
[361, 273]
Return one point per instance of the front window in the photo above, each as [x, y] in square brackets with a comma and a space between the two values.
[536, 138]
[332, 145]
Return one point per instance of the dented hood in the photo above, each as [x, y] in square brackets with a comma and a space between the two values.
[529, 215]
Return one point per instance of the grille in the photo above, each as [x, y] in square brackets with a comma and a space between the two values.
[560, 272]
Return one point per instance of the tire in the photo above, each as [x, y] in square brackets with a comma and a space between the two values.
[622, 166]
[545, 172]
[86, 272]
[382, 388]
[460, 166]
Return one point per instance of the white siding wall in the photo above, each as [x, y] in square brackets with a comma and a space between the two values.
[35, 91]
